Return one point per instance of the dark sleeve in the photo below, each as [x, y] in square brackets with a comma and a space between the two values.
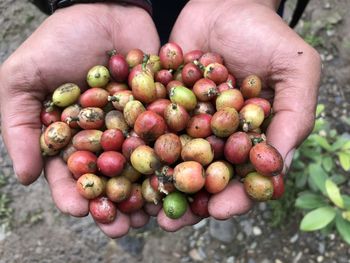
[165, 14]
[42, 5]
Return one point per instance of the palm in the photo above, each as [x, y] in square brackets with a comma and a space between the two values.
[62, 50]
[75, 39]
[254, 40]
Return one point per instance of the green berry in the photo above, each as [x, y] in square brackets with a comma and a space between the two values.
[175, 205]
[65, 95]
[98, 76]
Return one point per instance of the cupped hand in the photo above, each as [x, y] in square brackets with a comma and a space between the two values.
[253, 39]
[61, 50]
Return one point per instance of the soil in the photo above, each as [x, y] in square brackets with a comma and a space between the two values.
[40, 233]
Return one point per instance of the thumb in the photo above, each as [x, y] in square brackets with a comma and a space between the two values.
[294, 104]
[21, 128]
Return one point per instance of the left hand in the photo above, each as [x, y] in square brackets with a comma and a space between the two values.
[62, 49]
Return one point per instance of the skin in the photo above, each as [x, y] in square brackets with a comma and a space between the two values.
[236, 29]
[35, 69]
[233, 28]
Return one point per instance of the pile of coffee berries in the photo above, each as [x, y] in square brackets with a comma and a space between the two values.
[169, 129]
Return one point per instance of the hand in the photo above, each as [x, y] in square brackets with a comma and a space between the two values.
[253, 39]
[61, 50]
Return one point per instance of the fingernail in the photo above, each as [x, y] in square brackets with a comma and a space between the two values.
[288, 160]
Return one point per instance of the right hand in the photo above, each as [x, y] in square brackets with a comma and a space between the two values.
[62, 49]
[253, 39]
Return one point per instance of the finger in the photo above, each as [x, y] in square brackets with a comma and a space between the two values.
[172, 225]
[138, 219]
[21, 130]
[63, 188]
[296, 91]
[233, 200]
[118, 228]
[152, 209]
[191, 37]
[135, 33]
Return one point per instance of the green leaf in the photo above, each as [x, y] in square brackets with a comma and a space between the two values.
[320, 108]
[310, 201]
[346, 146]
[317, 219]
[328, 229]
[327, 163]
[343, 228]
[318, 176]
[346, 199]
[333, 193]
[309, 153]
[312, 184]
[346, 215]
[322, 141]
[297, 164]
[346, 120]
[333, 133]
[338, 179]
[344, 160]
[300, 179]
[338, 144]
[320, 124]
[309, 143]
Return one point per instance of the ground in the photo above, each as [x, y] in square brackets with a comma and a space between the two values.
[40, 233]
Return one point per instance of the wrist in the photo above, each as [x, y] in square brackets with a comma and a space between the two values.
[272, 4]
[56, 4]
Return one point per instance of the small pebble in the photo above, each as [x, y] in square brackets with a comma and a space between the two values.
[320, 258]
[294, 238]
[230, 259]
[3, 234]
[195, 255]
[192, 244]
[223, 231]
[298, 257]
[262, 206]
[253, 245]
[185, 259]
[217, 257]
[257, 231]
[321, 248]
[327, 5]
[38, 250]
[329, 57]
[330, 32]
[200, 224]
[246, 225]
[278, 261]
[202, 253]
[240, 236]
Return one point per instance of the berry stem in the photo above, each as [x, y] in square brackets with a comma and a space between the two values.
[199, 65]
[112, 98]
[112, 52]
[145, 60]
